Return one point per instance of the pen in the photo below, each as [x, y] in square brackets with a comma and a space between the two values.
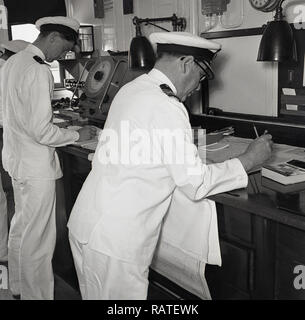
[255, 130]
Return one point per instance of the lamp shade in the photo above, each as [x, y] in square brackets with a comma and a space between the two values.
[277, 43]
[141, 54]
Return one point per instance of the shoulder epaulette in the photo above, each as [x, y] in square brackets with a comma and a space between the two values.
[168, 91]
[39, 60]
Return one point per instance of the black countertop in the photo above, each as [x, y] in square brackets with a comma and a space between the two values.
[76, 151]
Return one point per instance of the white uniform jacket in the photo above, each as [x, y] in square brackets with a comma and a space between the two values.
[30, 137]
[1, 122]
[120, 208]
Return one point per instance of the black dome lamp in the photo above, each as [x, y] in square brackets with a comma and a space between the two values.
[277, 42]
[141, 54]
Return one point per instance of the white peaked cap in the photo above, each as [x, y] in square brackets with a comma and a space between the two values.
[184, 43]
[59, 20]
[185, 39]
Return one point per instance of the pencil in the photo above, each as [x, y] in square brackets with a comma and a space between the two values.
[255, 130]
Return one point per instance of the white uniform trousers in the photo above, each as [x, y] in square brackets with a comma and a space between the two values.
[32, 239]
[3, 224]
[105, 278]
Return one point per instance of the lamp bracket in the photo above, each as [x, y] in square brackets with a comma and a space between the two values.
[279, 11]
[179, 24]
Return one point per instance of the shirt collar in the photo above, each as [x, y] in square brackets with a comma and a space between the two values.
[162, 78]
[36, 51]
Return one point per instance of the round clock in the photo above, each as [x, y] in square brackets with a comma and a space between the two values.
[272, 6]
[260, 4]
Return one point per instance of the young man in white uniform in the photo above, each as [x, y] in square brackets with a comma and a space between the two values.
[29, 156]
[8, 49]
[115, 223]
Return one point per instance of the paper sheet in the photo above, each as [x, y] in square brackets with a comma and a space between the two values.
[86, 142]
[292, 107]
[289, 91]
[58, 120]
[90, 145]
[237, 146]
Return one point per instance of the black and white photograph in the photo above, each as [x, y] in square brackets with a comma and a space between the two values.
[152, 153]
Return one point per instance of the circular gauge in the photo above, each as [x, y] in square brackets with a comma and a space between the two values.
[260, 4]
[97, 78]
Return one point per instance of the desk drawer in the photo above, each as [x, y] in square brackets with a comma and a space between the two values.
[291, 243]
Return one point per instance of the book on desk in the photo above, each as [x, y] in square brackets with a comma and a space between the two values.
[282, 188]
[286, 173]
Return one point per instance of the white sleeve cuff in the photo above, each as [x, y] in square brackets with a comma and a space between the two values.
[241, 174]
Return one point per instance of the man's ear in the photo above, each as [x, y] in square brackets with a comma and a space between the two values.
[53, 35]
[186, 63]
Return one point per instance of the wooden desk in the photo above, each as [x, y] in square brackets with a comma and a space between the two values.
[264, 202]
[260, 244]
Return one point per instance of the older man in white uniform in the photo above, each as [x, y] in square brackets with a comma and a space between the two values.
[116, 220]
[29, 155]
[8, 49]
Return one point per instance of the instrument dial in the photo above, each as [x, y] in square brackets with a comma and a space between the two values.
[97, 78]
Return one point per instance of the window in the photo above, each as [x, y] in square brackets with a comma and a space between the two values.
[86, 39]
[28, 32]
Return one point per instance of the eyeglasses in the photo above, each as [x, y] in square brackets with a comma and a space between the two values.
[207, 70]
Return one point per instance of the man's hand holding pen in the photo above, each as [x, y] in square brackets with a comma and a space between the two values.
[258, 151]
